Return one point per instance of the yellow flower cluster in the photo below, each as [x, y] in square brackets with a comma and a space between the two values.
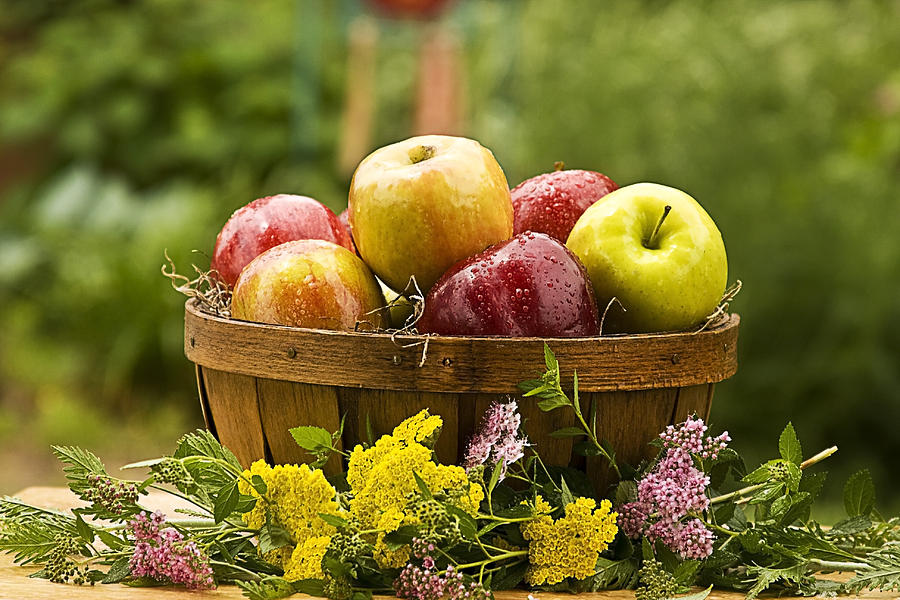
[569, 546]
[296, 496]
[381, 479]
[422, 428]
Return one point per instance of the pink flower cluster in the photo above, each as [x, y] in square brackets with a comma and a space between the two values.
[162, 554]
[691, 437]
[497, 439]
[674, 490]
[689, 538]
[426, 583]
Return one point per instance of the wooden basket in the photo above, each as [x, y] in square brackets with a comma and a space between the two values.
[256, 381]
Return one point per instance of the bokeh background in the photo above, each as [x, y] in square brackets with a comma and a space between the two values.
[132, 127]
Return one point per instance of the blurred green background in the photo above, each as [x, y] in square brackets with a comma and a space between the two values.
[131, 127]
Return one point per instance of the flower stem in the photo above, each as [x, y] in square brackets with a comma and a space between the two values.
[503, 556]
[752, 488]
[253, 576]
[830, 565]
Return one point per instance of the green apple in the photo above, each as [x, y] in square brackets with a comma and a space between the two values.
[423, 204]
[656, 251]
[309, 283]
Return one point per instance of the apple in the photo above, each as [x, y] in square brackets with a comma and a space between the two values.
[656, 251]
[309, 283]
[410, 8]
[344, 218]
[268, 222]
[419, 206]
[552, 202]
[531, 285]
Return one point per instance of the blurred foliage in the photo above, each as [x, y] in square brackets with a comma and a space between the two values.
[148, 121]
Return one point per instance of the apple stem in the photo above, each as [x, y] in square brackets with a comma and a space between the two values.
[559, 165]
[420, 153]
[651, 243]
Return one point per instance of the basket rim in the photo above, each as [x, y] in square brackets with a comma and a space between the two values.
[457, 364]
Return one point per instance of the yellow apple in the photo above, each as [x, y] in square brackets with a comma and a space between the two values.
[419, 206]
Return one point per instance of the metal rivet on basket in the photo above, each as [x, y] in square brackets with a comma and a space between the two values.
[448, 362]
[676, 359]
[291, 353]
[397, 360]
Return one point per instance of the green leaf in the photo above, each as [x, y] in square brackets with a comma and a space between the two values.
[495, 477]
[85, 531]
[576, 404]
[859, 494]
[761, 474]
[340, 430]
[647, 549]
[268, 589]
[333, 520]
[118, 571]
[226, 500]
[567, 432]
[259, 485]
[370, 430]
[799, 510]
[29, 541]
[423, 487]
[314, 439]
[334, 567]
[114, 542]
[626, 491]
[586, 448]
[510, 576]
[552, 403]
[468, 527]
[701, 595]
[614, 575]
[883, 572]
[273, 536]
[780, 506]
[765, 577]
[550, 359]
[144, 463]
[851, 526]
[566, 496]
[79, 463]
[789, 446]
[202, 443]
[813, 483]
[312, 587]
[401, 537]
[245, 504]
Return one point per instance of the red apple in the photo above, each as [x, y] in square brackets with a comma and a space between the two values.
[531, 285]
[344, 218]
[268, 222]
[423, 204]
[309, 283]
[409, 8]
[551, 203]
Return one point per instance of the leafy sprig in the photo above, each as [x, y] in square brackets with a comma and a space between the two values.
[552, 396]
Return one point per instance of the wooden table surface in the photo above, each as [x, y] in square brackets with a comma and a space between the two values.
[16, 585]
